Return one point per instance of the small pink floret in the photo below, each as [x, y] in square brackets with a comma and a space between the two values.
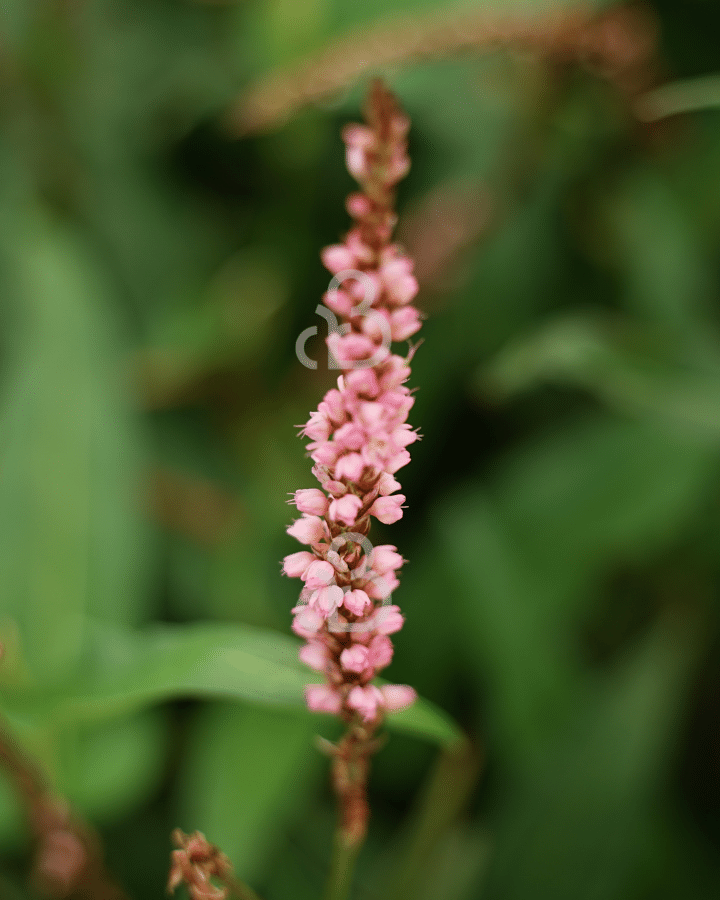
[321, 698]
[311, 501]
[345, 509]
[355, 658]
[308, 530]
[388, 509]
[398, 696]
[366, 701]
[295, 564]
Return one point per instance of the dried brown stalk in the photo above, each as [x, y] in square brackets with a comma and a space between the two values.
[68, 855]
[618, 44]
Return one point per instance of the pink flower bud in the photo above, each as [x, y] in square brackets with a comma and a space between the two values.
[324, 453]
[403, 436]
[311, 501]
[345, 509]
[355, 658]
[314, 654]
[404, 323]
[358, 206]
[379, 587]
[319, 574]
[366, 700]
[337, 257]
[363, 382]
[387, 620]
[387, 484]
[339, 301]
[397, 461]
[307, 622]
[356, 601]
[337, 562]
[333, 406]
[350, 466]
[295, 564]
[321, 698]
[308, 530]
[350, 436]
[327, 599]
[380, 652]
[388, 509]
[385, 558]
[397, 696]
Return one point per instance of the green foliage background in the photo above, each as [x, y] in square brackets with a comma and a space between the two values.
[564, 505]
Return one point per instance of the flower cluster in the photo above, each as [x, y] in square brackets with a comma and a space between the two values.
[359, 437]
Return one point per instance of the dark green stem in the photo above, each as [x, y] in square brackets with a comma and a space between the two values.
[444, 798]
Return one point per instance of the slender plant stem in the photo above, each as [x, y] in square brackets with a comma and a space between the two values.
[241, 890]
[342, 865]
[445, 795]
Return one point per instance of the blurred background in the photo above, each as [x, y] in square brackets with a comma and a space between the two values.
[169, 171]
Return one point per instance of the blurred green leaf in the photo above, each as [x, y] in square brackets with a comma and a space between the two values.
[578, 824]
[247, 773]
[621, 365]
[529, 548]
[71, 538]
[106, 770]
[666, 275]
[127, 671]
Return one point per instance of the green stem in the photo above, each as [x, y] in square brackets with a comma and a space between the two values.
[445, 796]
[342, 865]
[241, 890]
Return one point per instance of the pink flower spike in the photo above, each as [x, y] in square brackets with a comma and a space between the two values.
[366, 700]
[321, 698]
[388, 509]
[295, 564]
[398, 696]
[356, 602]
[355, 658]
[345, 509]
[308, 530]
[311, 501]
[357, 439]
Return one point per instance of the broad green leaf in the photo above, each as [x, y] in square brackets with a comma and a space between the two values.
[248, 773]
[528, 551]
[621, 365]
[510, 615]
[71, 539]
[576, 825]
[127, 671]
[106, 770]
[666, 275]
